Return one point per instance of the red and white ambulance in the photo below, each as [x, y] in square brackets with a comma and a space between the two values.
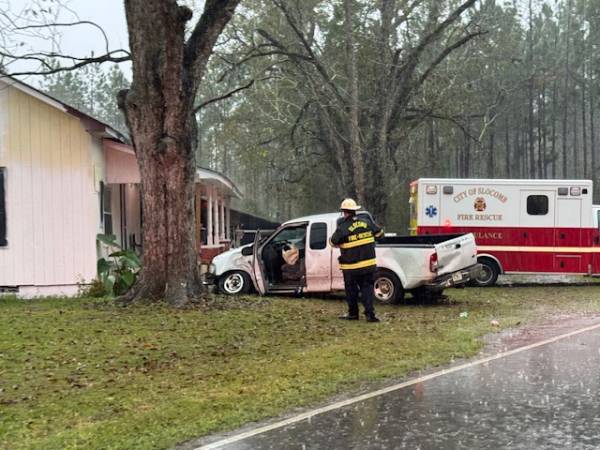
[520, 226]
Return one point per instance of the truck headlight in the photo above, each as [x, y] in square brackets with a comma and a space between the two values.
[212, 269]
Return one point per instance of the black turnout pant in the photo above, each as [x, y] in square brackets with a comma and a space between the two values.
[355, 283]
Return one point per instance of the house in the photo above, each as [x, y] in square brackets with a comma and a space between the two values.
[65, 177]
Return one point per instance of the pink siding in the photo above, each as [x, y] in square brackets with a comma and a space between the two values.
[121, 164]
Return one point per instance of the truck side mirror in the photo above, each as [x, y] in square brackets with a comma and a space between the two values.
[248, 251]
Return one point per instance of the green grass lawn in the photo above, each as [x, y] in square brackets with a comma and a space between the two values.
[88, 374]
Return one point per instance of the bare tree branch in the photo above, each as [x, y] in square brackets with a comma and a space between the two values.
[312, 57]
[82, 62]
[200, 44]
[224, 96]
[437, 61]
[68, 24]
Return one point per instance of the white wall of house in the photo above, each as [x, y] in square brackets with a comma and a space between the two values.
[51, 195]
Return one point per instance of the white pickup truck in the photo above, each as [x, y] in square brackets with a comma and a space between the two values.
[416, 264]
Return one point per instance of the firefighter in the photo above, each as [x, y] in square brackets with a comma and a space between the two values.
[355, 236]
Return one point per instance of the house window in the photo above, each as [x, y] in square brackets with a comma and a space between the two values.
[3, 242]
[537, 205]
[106, 193]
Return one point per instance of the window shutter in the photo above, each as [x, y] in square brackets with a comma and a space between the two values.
[3, 242]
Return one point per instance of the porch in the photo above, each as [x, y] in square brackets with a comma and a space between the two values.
[121, 211]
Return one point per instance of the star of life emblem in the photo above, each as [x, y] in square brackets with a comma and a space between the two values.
[431, 211]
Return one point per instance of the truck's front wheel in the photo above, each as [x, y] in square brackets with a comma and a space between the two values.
[236, 282]
[388, 288]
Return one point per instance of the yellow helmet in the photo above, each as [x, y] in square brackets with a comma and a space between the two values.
[349, 205]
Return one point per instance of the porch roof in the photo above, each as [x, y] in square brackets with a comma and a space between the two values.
[215, 178]
[122, 168]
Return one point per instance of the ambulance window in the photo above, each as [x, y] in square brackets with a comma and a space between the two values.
[537, 205]
[598, 219]
[318, 236]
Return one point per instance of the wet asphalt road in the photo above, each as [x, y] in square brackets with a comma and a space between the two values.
[543, 398]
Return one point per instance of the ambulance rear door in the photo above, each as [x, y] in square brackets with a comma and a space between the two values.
[595, 236]
[567, 236]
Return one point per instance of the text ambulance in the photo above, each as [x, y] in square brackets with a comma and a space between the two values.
[520, 226]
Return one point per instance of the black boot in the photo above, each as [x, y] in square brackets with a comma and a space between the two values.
[372, 318]
[349, 317]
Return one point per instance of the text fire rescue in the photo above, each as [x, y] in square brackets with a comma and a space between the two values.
[480, 191]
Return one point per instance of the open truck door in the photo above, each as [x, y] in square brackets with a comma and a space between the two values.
[257, 273]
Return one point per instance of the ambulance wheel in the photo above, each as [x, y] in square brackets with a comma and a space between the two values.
[488, 274]
[234, 283]
[388, 288]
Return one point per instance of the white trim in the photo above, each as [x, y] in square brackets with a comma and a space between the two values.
[563, 274]
[534, 249]
[209, 217]
[228, 223]
[395, 387]
[216, 222]
[222, 220]
[524, 183]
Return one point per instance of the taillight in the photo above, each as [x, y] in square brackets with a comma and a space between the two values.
[433, 262]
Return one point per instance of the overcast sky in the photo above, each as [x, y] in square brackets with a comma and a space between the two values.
[109, 14]
[81, 40]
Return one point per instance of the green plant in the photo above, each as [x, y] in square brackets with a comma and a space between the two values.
[95, 289]
[119, 272]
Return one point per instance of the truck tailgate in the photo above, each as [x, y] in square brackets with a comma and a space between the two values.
[457, 253]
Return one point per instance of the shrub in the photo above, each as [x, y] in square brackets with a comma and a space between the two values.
[119, 272]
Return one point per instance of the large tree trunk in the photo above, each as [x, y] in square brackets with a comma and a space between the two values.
[159, 108]
[356, 152]
[565, 122]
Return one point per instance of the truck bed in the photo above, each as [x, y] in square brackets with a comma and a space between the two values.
[425, 240]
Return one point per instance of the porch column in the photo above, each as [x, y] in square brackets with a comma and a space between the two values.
[216, 227]
[222, 219]
[209, 216]
[228, 222]
[198, 216]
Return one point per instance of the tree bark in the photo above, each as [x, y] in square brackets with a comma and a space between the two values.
[565, 129]
[507, 145]
[159, 108]
[584, 146]
[353, 108]
[490, 160]
[530, 140]
[593, 137]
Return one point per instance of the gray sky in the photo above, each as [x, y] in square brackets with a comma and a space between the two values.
[109, 14]
[81, 40]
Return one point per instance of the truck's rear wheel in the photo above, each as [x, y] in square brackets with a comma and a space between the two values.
[388, 288]
[488, 274]
[234, 283]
